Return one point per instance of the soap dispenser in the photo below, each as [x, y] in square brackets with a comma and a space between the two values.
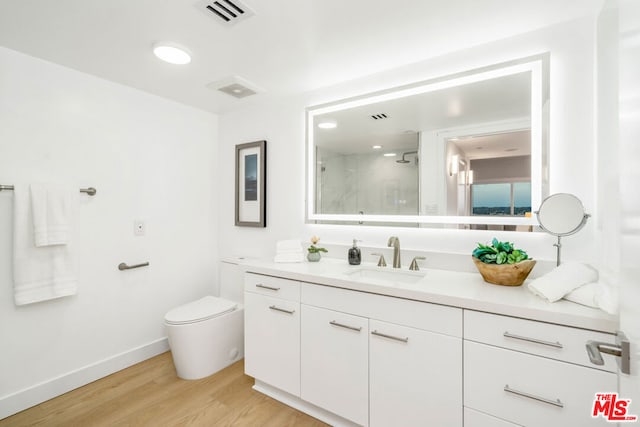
[355, 257]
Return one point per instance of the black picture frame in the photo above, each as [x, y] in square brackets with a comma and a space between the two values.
[251, 184]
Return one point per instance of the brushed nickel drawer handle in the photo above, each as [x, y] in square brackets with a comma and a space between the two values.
[353, 328]
[391, 337]
[260, 285]
[534, 340]
[556, 402]
[284, 310]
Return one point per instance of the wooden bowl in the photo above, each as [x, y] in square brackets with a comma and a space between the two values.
[505, 274]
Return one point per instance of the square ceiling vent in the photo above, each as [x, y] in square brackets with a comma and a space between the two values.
[226, 12]
[235, 86]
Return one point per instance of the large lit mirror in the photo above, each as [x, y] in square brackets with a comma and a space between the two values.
[463, 151]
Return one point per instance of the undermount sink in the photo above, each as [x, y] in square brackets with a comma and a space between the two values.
[385, 275]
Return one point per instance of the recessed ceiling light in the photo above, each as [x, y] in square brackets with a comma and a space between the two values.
[376, 147]
[172, 53]
[328, 124]
[389, 154]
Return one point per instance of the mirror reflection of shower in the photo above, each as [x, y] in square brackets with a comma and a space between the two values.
[409, 153]
[380, 177]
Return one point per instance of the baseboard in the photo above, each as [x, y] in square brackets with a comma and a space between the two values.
[301, 405]
[31, 396]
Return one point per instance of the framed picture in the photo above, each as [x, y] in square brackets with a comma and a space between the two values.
[251, 184]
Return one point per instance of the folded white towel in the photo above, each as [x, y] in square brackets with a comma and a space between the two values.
[562, 280]
[51, 206]
[40, 273]
[288, 246]
[292, 257]
[597, 295]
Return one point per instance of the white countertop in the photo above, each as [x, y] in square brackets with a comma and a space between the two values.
[457, 289]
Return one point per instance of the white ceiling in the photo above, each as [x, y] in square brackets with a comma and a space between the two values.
[494, 100]
[288, 46]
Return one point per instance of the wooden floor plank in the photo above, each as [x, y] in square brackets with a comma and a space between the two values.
[150, 394]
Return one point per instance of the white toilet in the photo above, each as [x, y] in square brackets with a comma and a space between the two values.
[206, 335]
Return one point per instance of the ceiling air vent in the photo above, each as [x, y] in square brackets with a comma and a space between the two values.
[228, 12]
[235, 86]
[379, 116]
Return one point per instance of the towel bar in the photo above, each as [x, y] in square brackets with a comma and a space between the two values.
[90, 191]
[124, 266]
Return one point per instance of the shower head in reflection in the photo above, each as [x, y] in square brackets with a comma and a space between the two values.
[408, 153]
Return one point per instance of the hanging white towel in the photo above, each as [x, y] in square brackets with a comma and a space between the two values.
[51, 208]
[562, 280]
[40, 273]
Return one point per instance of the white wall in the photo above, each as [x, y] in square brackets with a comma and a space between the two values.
[149, 159]
[572, 149]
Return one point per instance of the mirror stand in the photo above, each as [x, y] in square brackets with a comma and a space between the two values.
[561, 215]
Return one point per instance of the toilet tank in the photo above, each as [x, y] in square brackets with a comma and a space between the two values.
[231, 279]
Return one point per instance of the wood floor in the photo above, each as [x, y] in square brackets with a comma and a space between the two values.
[150, 394]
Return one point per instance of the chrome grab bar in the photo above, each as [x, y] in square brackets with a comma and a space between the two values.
[353, 328]
[534, 340]
[273, 307]
[556, 402]
[260, 285]
[380, 334]
[123, 266]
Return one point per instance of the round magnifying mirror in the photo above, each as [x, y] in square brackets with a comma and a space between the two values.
[561, 214]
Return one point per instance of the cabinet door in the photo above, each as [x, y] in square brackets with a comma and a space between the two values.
[272, 341]
[334, 367]
[415, 377]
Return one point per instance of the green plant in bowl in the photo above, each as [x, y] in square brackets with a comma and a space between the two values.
[499, 253]
[502, 264]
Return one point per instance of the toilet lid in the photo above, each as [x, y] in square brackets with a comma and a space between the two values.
[202, 309]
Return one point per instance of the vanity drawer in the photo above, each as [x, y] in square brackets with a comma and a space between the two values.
[272, 286]
[416, 314]
[531, 390]
[544, 339]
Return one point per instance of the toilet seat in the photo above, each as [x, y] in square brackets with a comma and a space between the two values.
[200, 310]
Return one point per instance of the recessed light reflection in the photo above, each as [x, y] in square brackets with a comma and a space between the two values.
[327, 125]
[376, 147]
[389, 154]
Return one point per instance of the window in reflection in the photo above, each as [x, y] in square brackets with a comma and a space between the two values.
[505, 198]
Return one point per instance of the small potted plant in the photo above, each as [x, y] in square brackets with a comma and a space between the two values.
[502, 264]
[314, 251]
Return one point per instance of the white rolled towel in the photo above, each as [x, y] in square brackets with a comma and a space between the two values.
[288, 246]
[289, 257]
[597, 295]
[563, 279]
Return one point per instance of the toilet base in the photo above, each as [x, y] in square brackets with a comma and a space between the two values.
[204, 348]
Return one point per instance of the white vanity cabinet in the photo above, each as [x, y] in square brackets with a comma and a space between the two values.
[272, 331]
[530, 373]
[414, 377]
[334, 369]
[381, 361]
[355, 354]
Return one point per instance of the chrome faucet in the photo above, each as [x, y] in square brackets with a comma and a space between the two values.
[395, 242]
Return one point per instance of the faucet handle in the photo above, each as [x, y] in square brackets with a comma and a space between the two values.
[414, 264]
[381, 261]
